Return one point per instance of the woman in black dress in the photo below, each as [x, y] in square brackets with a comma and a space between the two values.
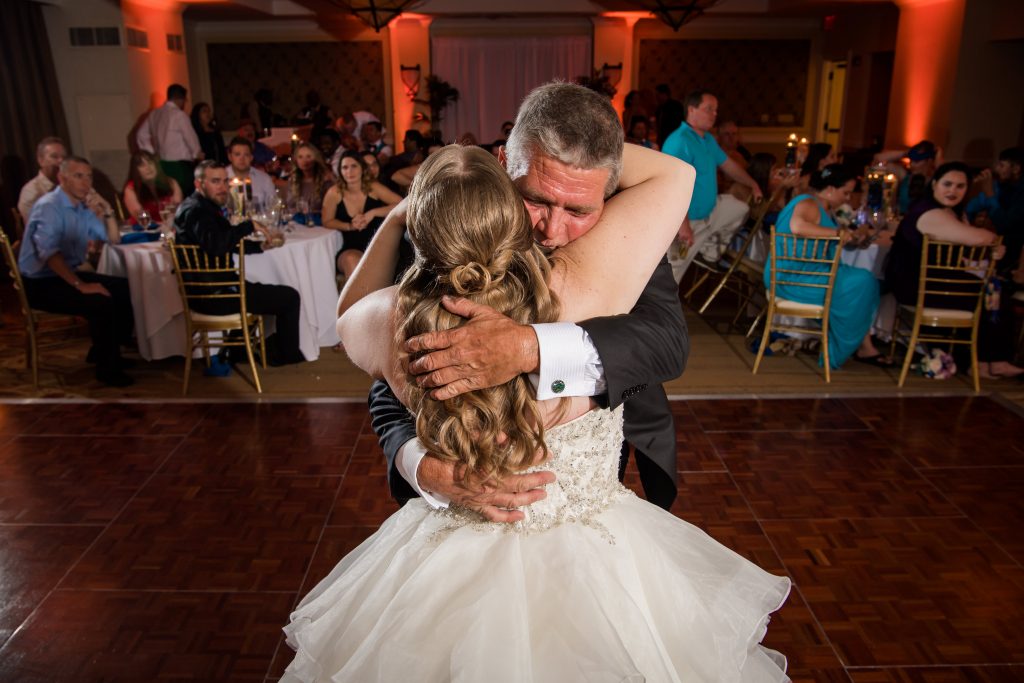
[356, 205]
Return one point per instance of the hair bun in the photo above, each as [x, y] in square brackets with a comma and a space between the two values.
[470, 277]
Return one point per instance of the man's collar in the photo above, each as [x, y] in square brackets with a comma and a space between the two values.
[687, 124]
[65, 199]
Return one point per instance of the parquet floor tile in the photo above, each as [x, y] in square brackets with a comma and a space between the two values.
[75, 480]
[364, 498]
[946, 431]
[274, 455]
[15, 419]
[130, 636]
[805, 475]
[991, 497]
[942, 674]
[809, 655]
[902, 592]
[33, 560]
[791, 414]
[211, 533]
[694, 453]
[113, 419]
[315, 421]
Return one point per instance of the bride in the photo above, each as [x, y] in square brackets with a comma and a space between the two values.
[595, 584]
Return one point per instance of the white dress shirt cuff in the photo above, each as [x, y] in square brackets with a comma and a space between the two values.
[569, 363]
[407, 461]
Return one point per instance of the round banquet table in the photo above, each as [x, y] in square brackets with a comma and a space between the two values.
[305, 262]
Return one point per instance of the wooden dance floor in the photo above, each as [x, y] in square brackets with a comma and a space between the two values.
[169, 541]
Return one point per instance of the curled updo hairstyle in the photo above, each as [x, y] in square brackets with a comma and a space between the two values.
[473, 239]
[833, 175]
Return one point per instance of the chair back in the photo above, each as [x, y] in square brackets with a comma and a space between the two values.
[202, 277]
[944, 265]
[12, 266]
[804, 262]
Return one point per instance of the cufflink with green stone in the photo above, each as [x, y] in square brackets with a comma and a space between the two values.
[558, 386]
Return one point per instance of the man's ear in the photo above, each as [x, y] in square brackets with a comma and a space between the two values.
[502, 157]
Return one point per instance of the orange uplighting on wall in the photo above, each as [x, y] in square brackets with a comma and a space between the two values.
[927, 52]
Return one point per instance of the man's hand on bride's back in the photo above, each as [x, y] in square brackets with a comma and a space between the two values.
[488, 350]
[497, 501]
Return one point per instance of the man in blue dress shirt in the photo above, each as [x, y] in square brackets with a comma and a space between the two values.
[60, 227]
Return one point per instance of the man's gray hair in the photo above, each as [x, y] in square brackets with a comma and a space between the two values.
[206, 165]
[571, 124]
[72, 159]
[41, 147]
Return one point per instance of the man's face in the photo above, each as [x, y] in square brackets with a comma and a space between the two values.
[77, 181]
[925, 167]
[240, 158]
[248, 131]
[728, 136]
[51, 158]
[702, 118]
[371, 133]
[214, 186]
[563, 201]
[1007, 171]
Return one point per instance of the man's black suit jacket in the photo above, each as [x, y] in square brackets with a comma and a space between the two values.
[639, 351]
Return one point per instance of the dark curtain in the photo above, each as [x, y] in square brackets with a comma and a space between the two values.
[30, 104]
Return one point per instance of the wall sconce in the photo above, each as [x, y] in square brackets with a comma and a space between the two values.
[411, 80]
[613, 72]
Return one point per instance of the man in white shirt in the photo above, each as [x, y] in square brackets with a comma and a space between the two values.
[168, 133]
[240, 155]
[50, 152]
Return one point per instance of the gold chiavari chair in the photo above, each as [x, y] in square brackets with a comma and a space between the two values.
[202, 277]
[54, 326]
[961, 273]
[810, 262]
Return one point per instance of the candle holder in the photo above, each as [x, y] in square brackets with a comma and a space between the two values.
[237, 192]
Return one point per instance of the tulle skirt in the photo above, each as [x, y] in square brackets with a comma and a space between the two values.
[632, 594]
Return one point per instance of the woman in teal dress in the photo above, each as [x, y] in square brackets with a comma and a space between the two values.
[855, 294]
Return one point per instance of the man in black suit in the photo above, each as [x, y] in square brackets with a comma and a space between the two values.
[565, 165]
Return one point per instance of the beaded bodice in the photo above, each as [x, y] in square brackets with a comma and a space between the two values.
[584, 456]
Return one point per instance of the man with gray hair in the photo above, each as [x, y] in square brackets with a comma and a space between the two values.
[60, 227]
[565, 157]
[50, 152]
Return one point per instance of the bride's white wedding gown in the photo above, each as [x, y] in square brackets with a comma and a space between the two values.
[595, 585]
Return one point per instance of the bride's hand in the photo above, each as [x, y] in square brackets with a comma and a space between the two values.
[488, 350]
[495, 501]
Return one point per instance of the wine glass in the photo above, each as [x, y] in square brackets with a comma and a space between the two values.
[144, 219]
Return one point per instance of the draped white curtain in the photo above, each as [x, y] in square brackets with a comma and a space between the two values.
[493, 74]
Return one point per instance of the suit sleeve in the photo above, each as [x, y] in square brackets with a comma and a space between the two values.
[647, 346]
[394, 427]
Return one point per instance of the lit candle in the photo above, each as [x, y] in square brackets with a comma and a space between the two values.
[295, 142]
[237, 190]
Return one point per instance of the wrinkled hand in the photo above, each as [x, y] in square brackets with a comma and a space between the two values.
[93, 288]
[490, 349]
[494, 500]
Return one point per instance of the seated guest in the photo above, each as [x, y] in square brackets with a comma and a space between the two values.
[356, 205]
[50, 152]
[60, 227]
[728, 138]
[327, 141]
[855, 293]
[240, 154]
[940, 215]
[638, 134]
[372, 165]
[309, 181]
[148, 189]
[261, 154]
[1004, 204]
[200, 220]
[923, 157]
[819, 155]
[373, 141]
[208, 132]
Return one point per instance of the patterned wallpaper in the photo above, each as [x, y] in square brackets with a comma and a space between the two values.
[348, 75]
[757, 82]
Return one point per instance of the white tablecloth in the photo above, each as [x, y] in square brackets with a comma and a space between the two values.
[305, 262]
[870, 258]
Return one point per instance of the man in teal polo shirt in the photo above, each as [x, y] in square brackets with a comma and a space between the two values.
[713, 219]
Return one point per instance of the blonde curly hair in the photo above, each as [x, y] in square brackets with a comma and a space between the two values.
[474, 239]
